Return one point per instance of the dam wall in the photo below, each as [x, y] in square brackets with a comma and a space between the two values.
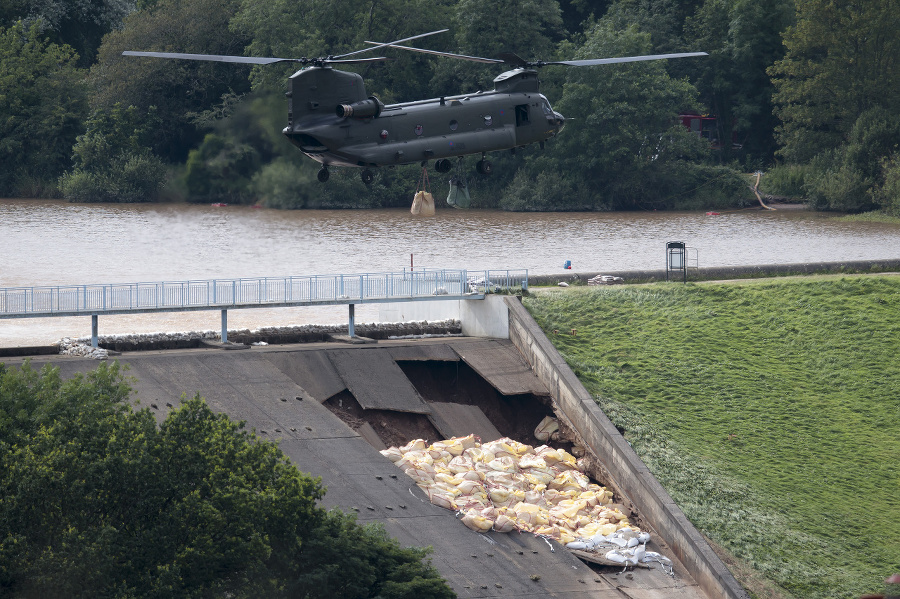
[632, 478]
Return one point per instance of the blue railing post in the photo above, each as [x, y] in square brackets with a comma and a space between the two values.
[224, 326]
[95, 338]
[351, 328]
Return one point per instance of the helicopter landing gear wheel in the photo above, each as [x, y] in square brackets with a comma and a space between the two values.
[484, 167]
[367, 176]
[323, 174]
[443, 166]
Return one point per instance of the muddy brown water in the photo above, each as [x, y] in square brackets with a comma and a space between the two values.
[52, 243]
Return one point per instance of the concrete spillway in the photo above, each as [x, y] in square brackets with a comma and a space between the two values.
[331, 406]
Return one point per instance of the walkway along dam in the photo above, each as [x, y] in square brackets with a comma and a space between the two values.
[332, 406]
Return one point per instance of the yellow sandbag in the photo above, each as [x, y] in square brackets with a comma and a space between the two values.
[392, 453]
[475, 500]
[460, 464]
[533, 497]
[550, 455]
[474, 520]
[539, 476]
[504, 524]
[532, 460]
[449, 479]
[468, 442]
[520, 449]
[414, 445]
[548, 531]
[570, 480]
[475, 453]
[566, 536]
[419, 475]
[468, 487]
[441, 499]
[504, 464]
[499, 448]
[439, 455]
[472, 475]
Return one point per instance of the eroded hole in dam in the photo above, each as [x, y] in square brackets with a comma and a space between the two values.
[461, 402]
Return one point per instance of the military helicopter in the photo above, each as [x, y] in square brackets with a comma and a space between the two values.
[334, 122]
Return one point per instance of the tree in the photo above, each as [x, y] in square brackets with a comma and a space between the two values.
[97, 501]
[843, 58]
[42, 104]
[624, 149]
[177, 88]
[743, 38]
[80, 24]
[112, 160]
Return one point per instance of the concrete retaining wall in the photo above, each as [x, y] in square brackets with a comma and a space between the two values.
[634, 480]
[480, 318]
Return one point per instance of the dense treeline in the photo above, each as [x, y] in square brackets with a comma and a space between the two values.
[806, 90]
[96, 500]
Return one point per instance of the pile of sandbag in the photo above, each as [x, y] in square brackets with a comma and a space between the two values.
[505, 485]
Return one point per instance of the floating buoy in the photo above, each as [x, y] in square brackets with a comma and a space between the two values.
[218, 204]
[712, 214]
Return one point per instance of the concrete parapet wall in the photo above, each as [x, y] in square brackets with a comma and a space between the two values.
[632, 478]
[485, 318]
[727, 272]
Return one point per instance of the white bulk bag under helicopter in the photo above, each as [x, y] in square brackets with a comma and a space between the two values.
[423, 201]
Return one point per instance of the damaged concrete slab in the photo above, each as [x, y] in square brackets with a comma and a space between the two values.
[501, 364]
[376, 381]
[312, 370]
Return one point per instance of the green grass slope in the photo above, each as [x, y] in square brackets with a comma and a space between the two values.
[769, 410]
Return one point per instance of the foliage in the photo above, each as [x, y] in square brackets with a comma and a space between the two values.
[743, 38]
[42, 104]
[888, 195]
[177, 88]
[767, 409]
[112, 163]
[842, 60]
[785, 180]
[79, 24]
[624, 150]
[97, 501]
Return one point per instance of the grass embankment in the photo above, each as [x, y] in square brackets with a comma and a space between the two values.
[769, 410]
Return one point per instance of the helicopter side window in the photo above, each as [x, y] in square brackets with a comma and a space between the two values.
[453, 125]
[545, 105]
[521, 115]
[488, 120]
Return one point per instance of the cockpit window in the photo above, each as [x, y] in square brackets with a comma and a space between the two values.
[545, 105]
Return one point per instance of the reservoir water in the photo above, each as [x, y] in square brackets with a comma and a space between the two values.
[52, 242]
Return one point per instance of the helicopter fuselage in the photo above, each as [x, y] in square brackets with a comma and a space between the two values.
[333, 122]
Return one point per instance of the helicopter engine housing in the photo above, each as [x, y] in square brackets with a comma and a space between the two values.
[367, 108]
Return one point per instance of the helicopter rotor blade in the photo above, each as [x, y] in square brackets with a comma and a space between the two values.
[597, 61]
[214, 57]
[447, 54]
[377, 46]
[356, 60]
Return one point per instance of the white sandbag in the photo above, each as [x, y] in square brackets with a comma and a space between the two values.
[547, 427]
[427, 205]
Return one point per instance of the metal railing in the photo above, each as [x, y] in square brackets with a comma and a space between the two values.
[173, 296]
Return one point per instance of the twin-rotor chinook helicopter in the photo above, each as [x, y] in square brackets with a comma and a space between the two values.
[334, 122]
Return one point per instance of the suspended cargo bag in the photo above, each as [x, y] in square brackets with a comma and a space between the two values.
[423, 201]
[459, 193]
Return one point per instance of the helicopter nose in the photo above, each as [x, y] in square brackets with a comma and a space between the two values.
[560, 121]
